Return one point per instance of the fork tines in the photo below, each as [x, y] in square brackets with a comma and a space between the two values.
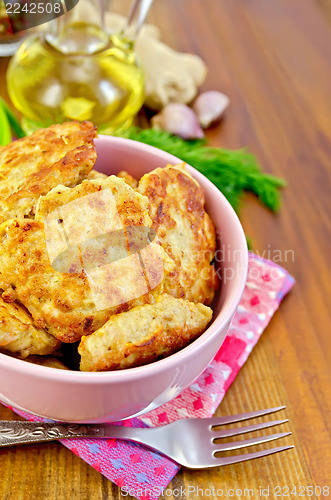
[235, 445]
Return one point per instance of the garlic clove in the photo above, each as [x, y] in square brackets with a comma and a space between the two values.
[210, 106]
[180, 120]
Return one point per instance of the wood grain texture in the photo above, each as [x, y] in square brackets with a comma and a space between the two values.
[273, 58]
[324, 5]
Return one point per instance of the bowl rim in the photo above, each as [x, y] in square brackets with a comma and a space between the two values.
[224, 316]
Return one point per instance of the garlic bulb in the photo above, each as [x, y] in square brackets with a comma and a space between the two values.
[180, 120]
[210, 106]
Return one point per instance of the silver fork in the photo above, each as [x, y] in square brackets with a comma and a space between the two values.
[190, 442]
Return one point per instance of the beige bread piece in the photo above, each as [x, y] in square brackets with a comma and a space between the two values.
[32, 166]
[19, 335]
[143, 334]
[184, 230]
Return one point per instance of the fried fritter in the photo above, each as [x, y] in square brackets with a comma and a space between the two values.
[131, 207]
[119, 228]
[49, 361]
[32, 166]
[94, 174]
[19, 335]
[79, 262]
[129, 179]
[59, 302]
[184, 230]
[143, 334]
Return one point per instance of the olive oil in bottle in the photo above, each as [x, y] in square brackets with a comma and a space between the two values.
[77, 73]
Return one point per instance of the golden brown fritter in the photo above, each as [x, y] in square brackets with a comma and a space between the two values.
[59, 302]
[49, 361]
[132, 208]
[81, 263]
[94, 174]
[128, 178]
[19, 335]
[114, 228]
[32, 166]
[184, 230]
[143, 334]
[93, 257]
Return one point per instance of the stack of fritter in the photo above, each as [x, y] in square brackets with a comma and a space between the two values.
[122, 266]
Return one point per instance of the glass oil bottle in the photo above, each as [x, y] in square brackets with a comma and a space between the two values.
[77, 71]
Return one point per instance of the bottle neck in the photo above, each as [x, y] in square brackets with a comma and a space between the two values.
[136, 18]
[81, 30]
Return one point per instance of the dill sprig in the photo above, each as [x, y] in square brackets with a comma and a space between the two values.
[233, 172]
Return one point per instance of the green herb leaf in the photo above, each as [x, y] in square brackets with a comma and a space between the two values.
[5, 132]
[233, 172]
[12, 120]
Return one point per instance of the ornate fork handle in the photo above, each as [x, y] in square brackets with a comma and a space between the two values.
[13, 432]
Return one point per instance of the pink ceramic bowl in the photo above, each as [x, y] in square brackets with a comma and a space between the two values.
[110, 396]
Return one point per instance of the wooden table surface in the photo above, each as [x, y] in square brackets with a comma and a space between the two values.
[273, 58]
